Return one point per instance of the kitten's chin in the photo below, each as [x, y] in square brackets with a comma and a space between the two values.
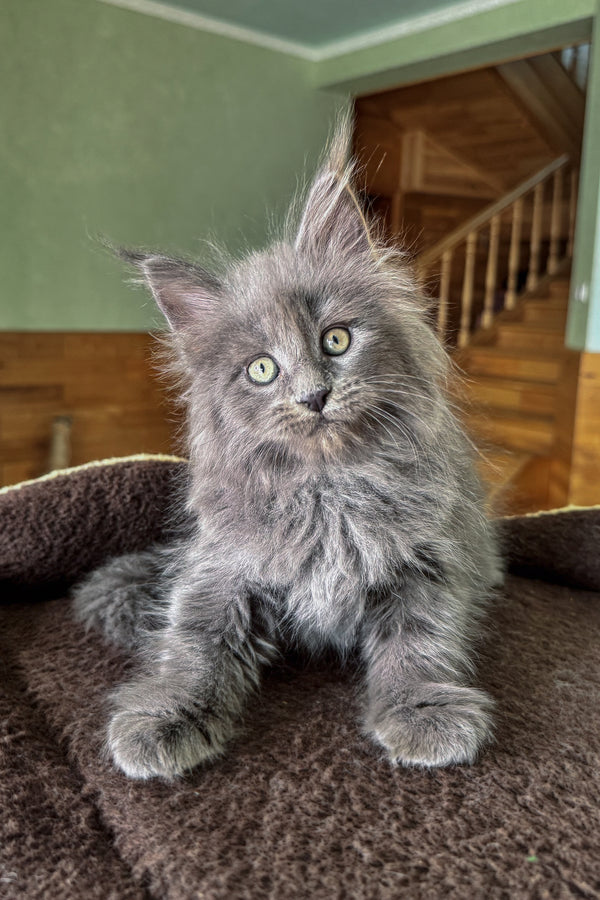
[321, 425]
[327, 438]
[333, 435]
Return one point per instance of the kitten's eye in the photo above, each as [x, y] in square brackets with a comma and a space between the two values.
[336, 341]
[263, 370]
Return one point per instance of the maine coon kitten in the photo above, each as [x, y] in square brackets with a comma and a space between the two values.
[332, 499]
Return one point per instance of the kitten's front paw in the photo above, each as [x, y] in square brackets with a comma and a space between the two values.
[164, 741]
[437, 725]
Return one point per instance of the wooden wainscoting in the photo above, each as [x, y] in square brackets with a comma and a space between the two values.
[574, 464]
[584, 471]
[107, 383]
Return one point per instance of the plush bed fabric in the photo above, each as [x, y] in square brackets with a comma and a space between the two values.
[303, 805]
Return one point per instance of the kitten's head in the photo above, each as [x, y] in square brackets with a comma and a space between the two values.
[316, 347]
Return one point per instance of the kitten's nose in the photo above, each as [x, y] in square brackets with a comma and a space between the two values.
[315, 400]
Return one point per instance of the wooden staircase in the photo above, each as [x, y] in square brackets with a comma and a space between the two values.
[509, 389]
[501, 283]
[503, 317]
[478, 174]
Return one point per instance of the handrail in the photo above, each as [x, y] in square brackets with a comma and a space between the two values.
[424, 260]
[474, 299]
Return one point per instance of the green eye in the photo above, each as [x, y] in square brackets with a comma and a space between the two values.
[263, 370]
[336, 341]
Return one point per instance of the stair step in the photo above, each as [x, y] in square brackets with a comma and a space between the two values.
[525, 485]
[499, 469]
[514, 431]
[540, 311]
[510, 394]
[531, 328]
[523, 335]
[520, 365]
[549, 301]
[559, 287]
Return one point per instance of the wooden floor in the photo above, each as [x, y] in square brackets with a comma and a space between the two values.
[105, 382]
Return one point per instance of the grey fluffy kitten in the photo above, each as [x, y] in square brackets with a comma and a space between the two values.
[332, 499]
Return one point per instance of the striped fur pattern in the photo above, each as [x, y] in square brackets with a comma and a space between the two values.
[358, 526]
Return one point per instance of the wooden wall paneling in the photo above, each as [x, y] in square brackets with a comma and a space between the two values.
[541, 104]
[442, 172]
[575, 475]
[411, 176]
[378, 148]
[429, 217]
[561, 86]
[106, 382]
[530, 489]
[396, 213]
[585, 462]
[474, 117]
[559, 487]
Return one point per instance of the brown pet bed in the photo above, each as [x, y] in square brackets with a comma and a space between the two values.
[303, 805]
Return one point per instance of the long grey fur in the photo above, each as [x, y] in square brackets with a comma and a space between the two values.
[358, 526]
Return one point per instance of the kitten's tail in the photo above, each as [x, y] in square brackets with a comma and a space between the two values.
[126, 598]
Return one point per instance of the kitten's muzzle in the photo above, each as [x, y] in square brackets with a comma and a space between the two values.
[315, 400]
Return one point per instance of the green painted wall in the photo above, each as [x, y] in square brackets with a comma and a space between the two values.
[150, 133]
[583, 325]
[155, 134]
[484, 37]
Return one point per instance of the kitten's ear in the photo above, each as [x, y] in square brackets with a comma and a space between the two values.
[332, 219]
[182, 289]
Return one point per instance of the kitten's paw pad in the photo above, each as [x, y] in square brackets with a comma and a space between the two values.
[438, 725]
[161, 744]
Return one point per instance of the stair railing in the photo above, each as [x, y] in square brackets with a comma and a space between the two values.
[536, 221]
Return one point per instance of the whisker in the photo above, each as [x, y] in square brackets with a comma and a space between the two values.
[382, 416]
[371, 414]
[402, 429]
[415, 416]
[395, 376]
[457, 406]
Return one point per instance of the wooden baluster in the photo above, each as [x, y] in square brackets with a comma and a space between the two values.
[574, 185]
[396, 212]
[442, 315]
[536, 237]
[467, 291]
[514, 255]
[491, 273]
[555, 222]
[60, 443]
[573, 60]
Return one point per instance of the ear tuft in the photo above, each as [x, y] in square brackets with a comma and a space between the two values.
[339, 149]
[332, 220]
[183, 290]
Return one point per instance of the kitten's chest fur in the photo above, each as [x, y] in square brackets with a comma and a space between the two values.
[332, 541]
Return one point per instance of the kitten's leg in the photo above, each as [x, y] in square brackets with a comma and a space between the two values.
[417, 651]
[185, 709]
[125, 599]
